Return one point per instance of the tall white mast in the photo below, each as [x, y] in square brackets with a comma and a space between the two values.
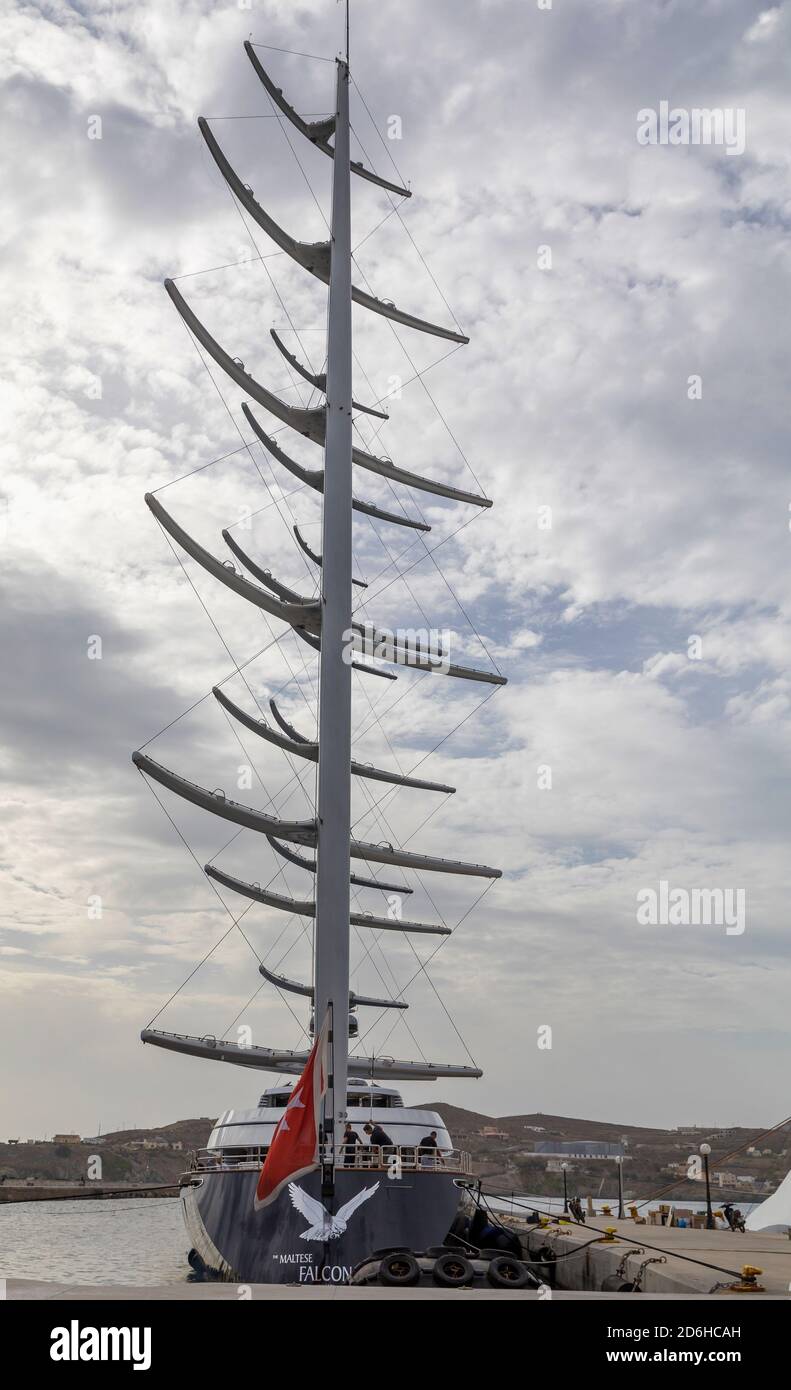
[334, 794]
[327, 624]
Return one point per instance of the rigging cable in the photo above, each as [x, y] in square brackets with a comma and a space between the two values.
[674, 1254]
[294, 52]
[234, 920]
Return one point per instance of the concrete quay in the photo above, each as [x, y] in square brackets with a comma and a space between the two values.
[40, 1291]
[83, 1192]
[583, 1267]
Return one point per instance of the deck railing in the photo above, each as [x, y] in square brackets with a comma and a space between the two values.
[390, 1158]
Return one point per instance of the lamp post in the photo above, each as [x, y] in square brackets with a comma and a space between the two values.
[705, 1150]
[563, 1169]
[619, 1161]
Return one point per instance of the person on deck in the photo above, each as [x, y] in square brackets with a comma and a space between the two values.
[378, 1139]
[429, 1151]
[350, 1141]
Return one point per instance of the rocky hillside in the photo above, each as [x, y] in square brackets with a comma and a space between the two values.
[121, 1163]
[506, 1160]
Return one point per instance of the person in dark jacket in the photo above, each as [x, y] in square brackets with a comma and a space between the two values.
[738, 1221]
[429, 1151]
[350, 1141]
[378, 1136]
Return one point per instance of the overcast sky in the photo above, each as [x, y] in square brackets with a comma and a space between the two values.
[669, 758]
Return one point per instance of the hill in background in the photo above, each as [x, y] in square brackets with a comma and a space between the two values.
[123, 1158]
[505, 1155]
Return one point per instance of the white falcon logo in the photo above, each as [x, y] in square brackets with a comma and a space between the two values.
[326, 1225]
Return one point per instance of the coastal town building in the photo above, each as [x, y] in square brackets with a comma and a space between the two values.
[577, 1148]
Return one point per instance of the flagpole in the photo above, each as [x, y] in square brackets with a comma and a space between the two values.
[326, 1151]
[334, 764]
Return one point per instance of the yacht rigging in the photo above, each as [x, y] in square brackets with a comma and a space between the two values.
[328, 624]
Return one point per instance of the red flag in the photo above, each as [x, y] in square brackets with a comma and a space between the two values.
[294, 1149]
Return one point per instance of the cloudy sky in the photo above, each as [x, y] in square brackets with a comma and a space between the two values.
[669, 757]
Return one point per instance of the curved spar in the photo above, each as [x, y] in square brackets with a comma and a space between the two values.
[355, 665]
[311, 554]
[299, 832]
[307, 422]
[310, 866]
[257, 894]
[317, 560]
[301, 747]
[264, 576]
[314, 256]
[307, 991]
[318, 132]
[260, 727]
[299, 613]
[369, 641]
[285, 725]
[294, 1063]
[319, 379]
[386, 854]
[315, 478]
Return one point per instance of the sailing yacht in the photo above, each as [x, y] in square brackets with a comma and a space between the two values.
[361, 1198]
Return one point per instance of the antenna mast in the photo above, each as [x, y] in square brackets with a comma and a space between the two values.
[334, 790]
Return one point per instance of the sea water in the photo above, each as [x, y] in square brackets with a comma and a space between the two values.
[126, 1240]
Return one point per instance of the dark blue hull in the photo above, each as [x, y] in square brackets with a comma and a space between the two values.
[273, 1246]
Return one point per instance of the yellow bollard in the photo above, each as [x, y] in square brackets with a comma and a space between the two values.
[748, 1283]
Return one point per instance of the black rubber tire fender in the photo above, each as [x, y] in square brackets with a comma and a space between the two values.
[615, 1283]
[505, 1272]
[452, 1271]
[399, 1271]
